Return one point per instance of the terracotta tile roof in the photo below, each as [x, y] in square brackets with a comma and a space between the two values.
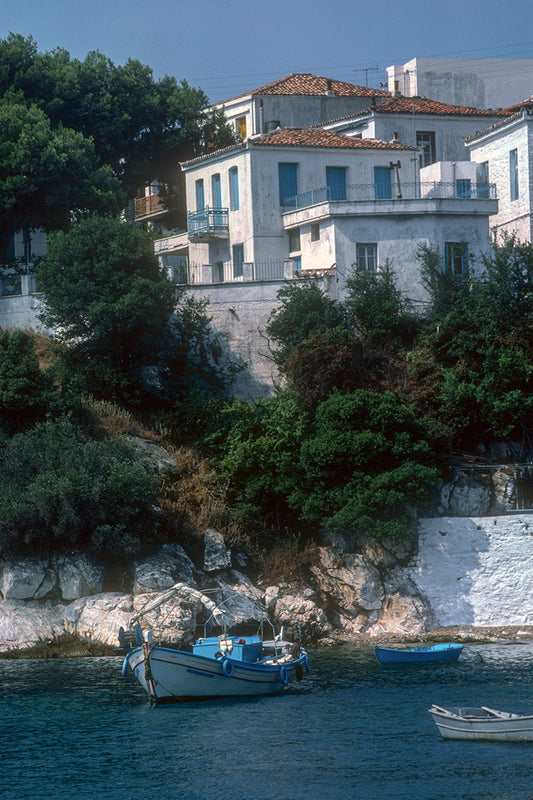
[304, 83]
[420, 105]
[311, 137]
[527, 103]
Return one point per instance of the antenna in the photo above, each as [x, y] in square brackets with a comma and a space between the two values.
[366, 70]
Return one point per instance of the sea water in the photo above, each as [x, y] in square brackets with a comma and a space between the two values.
[74, 729]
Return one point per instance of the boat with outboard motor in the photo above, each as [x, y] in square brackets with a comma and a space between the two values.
[436, 653]
[217, 666]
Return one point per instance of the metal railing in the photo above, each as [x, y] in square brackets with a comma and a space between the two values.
[419, 190]
[208, 220]
[230, 272]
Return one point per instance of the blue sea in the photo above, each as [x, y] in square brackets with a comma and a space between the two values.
[75, 729]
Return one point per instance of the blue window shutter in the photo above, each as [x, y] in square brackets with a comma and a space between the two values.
[382, 183]
[200, 200]
[288, 184]
[336, 183]
[234, 189]
[216, 191]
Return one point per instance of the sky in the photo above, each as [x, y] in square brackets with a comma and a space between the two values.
[229, 47]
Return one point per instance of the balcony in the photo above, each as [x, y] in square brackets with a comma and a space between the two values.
[208, 223]
[148, 206]
[246, 272]
[385, 192]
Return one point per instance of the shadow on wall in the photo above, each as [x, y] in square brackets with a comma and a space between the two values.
[448, 559]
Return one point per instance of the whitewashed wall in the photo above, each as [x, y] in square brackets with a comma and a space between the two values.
[477, 571]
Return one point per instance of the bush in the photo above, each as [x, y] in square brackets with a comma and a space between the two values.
[63, 492]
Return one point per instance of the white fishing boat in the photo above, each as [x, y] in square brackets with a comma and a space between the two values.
[217, 666]
[482, 724]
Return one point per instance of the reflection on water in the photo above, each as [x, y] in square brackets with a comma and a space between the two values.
[351, 729]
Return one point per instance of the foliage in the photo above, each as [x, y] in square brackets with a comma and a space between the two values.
[25, 392]
[62, 492]
[335, 359]
[93, 117]
[477, 347]
[47, 174]
[377, 309]
[304, 309]
[368, 457]
[107, 298]
[256, 450]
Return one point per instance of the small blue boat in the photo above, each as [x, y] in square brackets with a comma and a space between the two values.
[419, 655]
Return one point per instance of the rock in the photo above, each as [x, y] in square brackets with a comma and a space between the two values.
[27, 627]
[352, 583]
[216, 556]
[98, 618]
[466, 496]
[163, 569]
[78, 575]
[152, 453]
[27, 579]
[237, 595]
[504, 483]
[300, 615]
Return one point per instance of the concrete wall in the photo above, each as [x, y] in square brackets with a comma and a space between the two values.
[477, 571]
[478, 82]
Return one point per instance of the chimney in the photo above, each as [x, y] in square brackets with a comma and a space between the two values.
[329, 91]
[396, 92]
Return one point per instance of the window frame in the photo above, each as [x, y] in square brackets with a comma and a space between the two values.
[456, 258]
[362, 252]
[514, 186]
[237, 262]
[426, 140]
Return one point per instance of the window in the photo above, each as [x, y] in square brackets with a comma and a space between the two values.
[238, 260]
[240, 127]
[382, 183]
[463, 188]
[200, 200]
[426, 140]
[513, 174]
[234, 189]
[367, 257]
[294, 241]
[315, 231]
[216, 191]
[288, 184]
[456, 257]
[336, 183]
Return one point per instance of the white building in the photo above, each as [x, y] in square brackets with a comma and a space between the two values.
[295, 101]
[480, 82]
[438, 129]
[505, 151]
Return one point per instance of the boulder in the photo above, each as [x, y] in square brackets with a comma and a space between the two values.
[78, 575]
[237, 595]
[216, 556]
[163, 569]
[151, 453]
[27, 578]
[351, 583]
[29, 626]
[98, 618]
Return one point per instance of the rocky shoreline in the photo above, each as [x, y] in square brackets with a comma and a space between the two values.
[360, 595]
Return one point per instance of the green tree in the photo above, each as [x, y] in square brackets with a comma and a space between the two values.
[110, 303]
[62, 492]
[367, 460]
[304, 309]
[25, 391]
[377, 309]
[47, 175]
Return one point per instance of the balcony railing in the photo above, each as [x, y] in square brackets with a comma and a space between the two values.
[149, 204]
[208, 220]
[365, 192]
[234, 272]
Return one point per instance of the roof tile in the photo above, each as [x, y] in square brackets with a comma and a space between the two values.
[304, 83]
[311, 137]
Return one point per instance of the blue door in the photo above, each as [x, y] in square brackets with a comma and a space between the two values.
[200, 200]
[382, 183]
[336, 183]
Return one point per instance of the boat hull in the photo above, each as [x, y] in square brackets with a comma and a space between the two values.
[174, 675]
[474, 725]
[419, 655]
